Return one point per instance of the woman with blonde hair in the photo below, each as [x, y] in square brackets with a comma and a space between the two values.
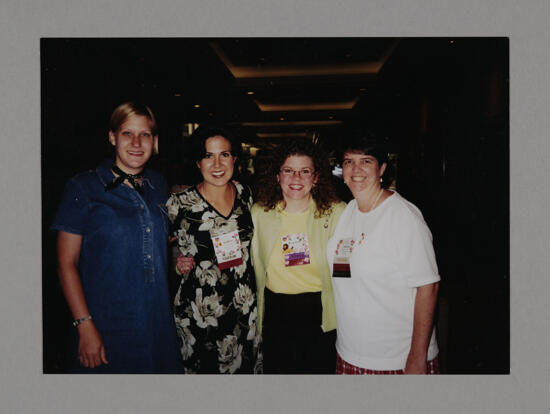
[295, 214]
[112, 253]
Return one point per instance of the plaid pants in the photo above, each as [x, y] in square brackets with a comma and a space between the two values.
[345, 368]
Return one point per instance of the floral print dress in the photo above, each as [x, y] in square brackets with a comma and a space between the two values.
[215, 310]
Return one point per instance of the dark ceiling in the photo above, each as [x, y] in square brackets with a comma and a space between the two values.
[265, 88]
[268, 88]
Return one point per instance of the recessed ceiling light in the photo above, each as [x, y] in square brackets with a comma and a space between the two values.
[281, 134]
[250, 93]
[196, 106]
[262, 69]
[318, 106]
[291, 123]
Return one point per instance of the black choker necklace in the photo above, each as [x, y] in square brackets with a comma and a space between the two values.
[124, 176]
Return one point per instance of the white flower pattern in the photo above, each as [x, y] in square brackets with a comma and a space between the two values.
[243, 299]
[206, 311]
[229, 354]
[186, 243]
[186, 200]
[207, 272]
[252, 319]
[184, 332]
[215, 312]
[241, 269]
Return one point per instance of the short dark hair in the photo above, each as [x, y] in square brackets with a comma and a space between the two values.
[203, 132]
[366, 142]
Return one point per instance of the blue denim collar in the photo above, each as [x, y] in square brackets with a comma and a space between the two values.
[106, 175]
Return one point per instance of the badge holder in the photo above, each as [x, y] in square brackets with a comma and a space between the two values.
[228, 250]
[342, 255]
[295, 249]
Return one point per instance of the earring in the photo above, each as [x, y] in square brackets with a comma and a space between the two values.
[381, 179]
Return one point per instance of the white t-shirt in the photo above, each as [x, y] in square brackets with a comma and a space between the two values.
[392, 256]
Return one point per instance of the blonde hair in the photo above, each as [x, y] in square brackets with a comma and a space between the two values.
[128, 109]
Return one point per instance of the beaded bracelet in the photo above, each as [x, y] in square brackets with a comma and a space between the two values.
[77, 322]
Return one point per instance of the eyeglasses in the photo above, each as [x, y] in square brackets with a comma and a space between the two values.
[303, 173]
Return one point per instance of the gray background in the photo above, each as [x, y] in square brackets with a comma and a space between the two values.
[23, 387]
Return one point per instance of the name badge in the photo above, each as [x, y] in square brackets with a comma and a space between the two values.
[295, 249]
[342, 256]
[228, 250]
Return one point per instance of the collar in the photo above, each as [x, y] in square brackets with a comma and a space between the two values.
[106, 175]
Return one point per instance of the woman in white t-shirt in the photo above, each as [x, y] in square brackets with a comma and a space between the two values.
[384, 273]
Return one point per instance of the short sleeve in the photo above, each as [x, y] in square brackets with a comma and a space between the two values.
[73, 210]
[248, 197]
[173, 206]
[245, 194]
[415, 249]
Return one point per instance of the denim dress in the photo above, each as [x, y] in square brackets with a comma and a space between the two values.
[122, 267]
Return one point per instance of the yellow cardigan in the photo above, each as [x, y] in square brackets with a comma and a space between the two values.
[267, 226]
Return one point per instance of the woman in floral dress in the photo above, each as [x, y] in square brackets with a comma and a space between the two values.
[215, 305]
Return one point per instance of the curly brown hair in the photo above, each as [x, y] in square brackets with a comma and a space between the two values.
[324, 193]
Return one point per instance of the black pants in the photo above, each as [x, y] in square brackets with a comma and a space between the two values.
[293, 341]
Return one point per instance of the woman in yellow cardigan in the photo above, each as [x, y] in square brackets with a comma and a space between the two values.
[295, 214]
